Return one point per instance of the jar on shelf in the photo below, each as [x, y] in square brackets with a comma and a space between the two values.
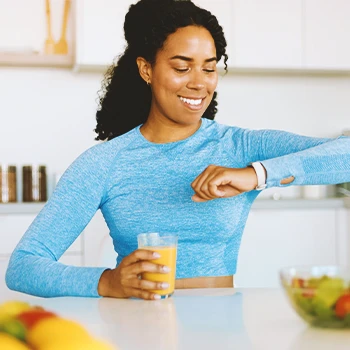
[34, 183]
[8, 183]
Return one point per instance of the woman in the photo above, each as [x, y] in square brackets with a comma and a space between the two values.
[166, 167]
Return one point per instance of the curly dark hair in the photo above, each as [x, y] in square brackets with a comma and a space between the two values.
[147, 25]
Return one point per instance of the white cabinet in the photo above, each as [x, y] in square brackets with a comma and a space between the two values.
[223, 11]
[99, 31]
[277, 238]
[98, 245]
[268, 34]
[327, 31]
[12, 228]
[260, 34]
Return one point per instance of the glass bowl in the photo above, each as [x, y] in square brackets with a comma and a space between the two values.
[319, 294]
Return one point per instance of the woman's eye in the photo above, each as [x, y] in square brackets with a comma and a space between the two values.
[209, 70]
[183, 70]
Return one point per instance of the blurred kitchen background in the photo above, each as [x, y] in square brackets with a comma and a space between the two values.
[289, 69]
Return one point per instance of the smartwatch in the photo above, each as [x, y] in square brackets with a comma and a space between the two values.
[260, 174]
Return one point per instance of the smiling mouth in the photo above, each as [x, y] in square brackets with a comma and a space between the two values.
[192, 103]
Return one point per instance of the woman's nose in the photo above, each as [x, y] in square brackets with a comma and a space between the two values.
[196, 81]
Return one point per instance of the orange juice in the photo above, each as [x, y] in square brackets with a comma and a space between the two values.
[168, 258]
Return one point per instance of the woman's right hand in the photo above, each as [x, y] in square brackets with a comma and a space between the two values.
[124, 280]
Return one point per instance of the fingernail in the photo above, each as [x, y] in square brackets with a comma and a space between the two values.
[156, 296]
[166, 269]
[165, 285]
[156, 255]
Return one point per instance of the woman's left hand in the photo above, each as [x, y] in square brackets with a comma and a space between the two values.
[220, 182]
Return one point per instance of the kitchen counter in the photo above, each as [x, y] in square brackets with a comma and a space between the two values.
[295, 203]
[203, 319]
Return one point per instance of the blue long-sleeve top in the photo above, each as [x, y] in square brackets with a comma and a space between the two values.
[141, 186]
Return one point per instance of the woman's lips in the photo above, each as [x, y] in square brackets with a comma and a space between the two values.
[190, 103]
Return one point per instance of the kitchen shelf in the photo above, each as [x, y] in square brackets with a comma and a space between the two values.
[36, 60]
[245, 71]
[265, 204]
[21, 208]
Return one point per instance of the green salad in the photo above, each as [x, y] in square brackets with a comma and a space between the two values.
[323, 301]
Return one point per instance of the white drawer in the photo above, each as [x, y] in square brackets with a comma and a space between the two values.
[12, 228]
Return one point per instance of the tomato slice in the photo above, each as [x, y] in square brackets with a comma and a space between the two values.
[342, 307]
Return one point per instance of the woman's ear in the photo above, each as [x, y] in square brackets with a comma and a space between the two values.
[145, 69]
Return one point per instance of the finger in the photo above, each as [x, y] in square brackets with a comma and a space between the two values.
[198, 181]
[209, 188]
[146, 266]
[215, 191]
[196, 198]
[204, 173]
[213, 187]
[215, 184]
[220, 179]
[145, 284]
[200, 187]
[139, 254]
[142, 294]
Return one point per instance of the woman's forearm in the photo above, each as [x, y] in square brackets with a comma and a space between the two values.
[328, 163]
[44, 277]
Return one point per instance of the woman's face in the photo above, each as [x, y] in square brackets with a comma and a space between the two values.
[184, 76]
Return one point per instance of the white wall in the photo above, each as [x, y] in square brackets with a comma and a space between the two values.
[315, 106]
[48, 116]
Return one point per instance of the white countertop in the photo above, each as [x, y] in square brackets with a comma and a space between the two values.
[197, 319]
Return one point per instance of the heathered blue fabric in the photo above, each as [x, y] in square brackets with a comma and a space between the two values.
[141, 186]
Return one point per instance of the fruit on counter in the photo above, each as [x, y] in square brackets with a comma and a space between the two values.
[26, 327]
[13, 308]
[87, 344]
[54, 329]
[15, 328]
[30, 317]
[10, 343]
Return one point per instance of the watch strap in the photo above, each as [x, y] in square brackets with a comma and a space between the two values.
[260, 174]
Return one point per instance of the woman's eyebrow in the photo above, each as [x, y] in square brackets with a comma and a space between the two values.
[189, 59]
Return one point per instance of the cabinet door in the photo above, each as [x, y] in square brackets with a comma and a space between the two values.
[327, 31]
[99, 31]
[268, 34]
[277, 238]
[223, 11]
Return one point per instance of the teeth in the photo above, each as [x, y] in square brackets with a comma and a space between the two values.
[191, 102]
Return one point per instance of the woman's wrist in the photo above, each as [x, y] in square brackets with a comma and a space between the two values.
[103, 283]
[260, 174]
[253, 177]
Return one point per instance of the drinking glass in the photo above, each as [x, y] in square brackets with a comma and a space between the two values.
[166, 246]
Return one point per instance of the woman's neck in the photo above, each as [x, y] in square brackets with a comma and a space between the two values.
[168, 131]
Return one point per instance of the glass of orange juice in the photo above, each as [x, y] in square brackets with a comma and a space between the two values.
[166, 246]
